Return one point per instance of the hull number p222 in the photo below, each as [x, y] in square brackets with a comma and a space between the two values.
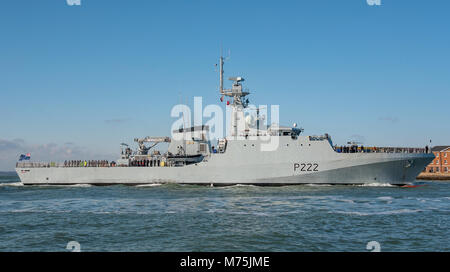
[306, 167]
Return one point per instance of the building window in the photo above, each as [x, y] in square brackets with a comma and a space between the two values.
[437, 161]
[445, 154]
[445, 162]
[445, 169]
[437, 155]
[437, 169]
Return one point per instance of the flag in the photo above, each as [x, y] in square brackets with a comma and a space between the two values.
[25, 157]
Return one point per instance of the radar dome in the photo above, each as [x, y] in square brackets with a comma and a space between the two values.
[250, 120]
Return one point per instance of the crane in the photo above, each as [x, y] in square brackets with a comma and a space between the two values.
[143, 150]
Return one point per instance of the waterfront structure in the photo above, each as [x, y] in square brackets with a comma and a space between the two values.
[441, 162]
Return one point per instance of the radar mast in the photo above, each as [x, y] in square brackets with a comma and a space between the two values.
[239, 101]
[236, 91]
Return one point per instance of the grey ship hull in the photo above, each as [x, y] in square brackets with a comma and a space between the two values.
[295, 160]
[244, 164]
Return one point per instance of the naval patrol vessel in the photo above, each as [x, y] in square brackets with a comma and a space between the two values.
[249, 154]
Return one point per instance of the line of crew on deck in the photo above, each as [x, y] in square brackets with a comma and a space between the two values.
[90, 163]
[351, 149]
[145, 163]
[105, 163]
[362, 149]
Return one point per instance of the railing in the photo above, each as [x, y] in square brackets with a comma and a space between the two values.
[37, 165]
[360, 149]
[77, 163]
[91, 164]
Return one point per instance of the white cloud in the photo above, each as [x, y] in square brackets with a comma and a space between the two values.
[10, 151]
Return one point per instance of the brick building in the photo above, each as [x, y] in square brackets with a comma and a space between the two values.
[440, 164]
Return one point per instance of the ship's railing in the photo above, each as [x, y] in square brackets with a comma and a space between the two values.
[93, 163]
[373, 149]
[36, 165]
[74, 163]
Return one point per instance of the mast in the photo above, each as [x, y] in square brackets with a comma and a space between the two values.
[237, 94]
[221, 74]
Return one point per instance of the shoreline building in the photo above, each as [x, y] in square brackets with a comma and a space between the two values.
[440, 164]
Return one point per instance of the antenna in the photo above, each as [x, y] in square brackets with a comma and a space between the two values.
[184, 131]
[221, 74]
[221, 63]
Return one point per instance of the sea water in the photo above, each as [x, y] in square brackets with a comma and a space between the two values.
[234, 218]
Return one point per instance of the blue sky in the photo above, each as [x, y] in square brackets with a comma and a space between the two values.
[89, 77]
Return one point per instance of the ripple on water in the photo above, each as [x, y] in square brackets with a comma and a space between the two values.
[12, 184]
[149, 185]
[241, 218]
[401, 211]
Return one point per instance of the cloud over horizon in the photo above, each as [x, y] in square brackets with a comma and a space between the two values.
[10, 151]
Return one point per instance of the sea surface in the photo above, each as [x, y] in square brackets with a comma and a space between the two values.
[234, 218]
